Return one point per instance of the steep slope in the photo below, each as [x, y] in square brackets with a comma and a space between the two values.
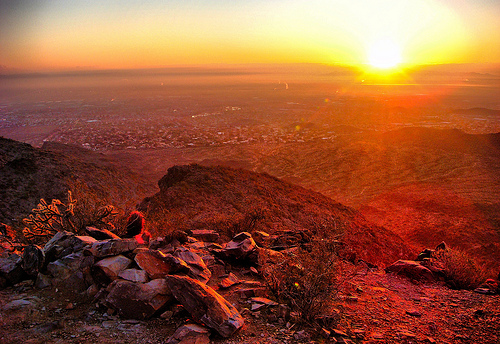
[231, 200]
[425, 215]
[28, 174]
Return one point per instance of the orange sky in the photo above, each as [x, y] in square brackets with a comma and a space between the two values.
[39, 35]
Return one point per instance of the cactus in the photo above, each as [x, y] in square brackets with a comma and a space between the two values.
[49, 218]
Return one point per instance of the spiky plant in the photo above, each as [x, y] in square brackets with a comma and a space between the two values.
[49, 218]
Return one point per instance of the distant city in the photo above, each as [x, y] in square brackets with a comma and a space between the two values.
[151, 115]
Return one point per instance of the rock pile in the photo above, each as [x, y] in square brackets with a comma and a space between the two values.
[139, 282]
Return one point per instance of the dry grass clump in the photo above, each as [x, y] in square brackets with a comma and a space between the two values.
[461, 270]
[305, 280]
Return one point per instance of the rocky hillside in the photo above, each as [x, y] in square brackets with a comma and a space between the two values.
[426, 214]
[233, 200]
[28, 174]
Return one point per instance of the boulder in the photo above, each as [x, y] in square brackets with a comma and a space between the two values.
[134, 275]
[112, 266]
[205, 305]
[112, 247]
[158, 265]
[411, 269]
[100, 234]
[190, 334]
[135, 300]
[197, 268]
[32, 260]
[241, 247]
[11, 271]
[206, 235]
[72, 271]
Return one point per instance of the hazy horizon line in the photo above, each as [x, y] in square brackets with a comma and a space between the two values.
[232, 68]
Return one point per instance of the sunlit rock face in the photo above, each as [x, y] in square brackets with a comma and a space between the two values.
[206, 305]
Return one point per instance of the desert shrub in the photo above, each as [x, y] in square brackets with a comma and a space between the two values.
[49, 218]
[461, 270]
[305, 280]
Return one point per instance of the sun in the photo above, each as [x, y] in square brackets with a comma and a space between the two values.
[384, 54]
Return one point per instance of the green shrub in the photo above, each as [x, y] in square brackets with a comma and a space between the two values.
[305, 280]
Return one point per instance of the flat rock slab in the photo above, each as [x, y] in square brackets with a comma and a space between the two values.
[112, 266]
[158, 265]
[190, 334]
[134, 275]
[205, 305]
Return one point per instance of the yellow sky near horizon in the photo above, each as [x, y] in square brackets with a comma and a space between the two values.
[140, 34]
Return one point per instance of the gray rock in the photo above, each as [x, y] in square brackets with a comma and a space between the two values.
[112, 247]
[205, 305]
[70, 271]
[112, 266]
[11, 270]
[42, 281]
[65, 243]
[33, 259]
[134, 275]
[17, 304]
[190, 334]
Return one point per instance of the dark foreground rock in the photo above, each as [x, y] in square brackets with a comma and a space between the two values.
[136, 300]
[205, 305]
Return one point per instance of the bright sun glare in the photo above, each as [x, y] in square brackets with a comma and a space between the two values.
[384, 54]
